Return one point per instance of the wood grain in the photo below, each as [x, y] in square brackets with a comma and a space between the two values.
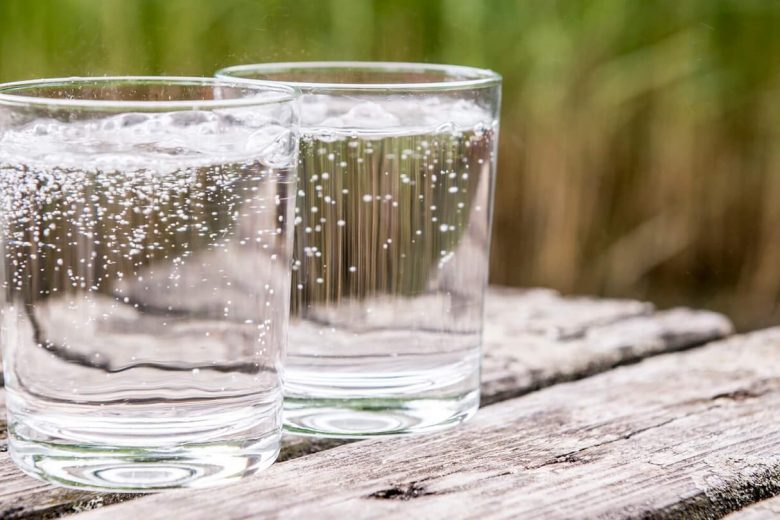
[685, 435]
[540, 339]
[533, 338]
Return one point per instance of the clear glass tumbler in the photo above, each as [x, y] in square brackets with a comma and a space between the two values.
[397, 169]
[146, 231]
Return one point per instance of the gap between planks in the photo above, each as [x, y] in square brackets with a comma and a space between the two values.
[765, 510]
[533, 338]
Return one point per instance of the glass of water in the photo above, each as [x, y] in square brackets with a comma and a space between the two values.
[392, 237]
[146, 231]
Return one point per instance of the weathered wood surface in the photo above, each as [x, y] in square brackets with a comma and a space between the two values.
[685, 435]
[533, 339]
[536, 338]
[765, 510]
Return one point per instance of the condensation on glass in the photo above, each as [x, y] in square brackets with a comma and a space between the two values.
[392, 236]
[146, 231]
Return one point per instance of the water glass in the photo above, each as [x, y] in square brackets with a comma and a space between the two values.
[392, 237]
[146, 229]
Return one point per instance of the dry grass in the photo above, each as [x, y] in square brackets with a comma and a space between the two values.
[639, 151]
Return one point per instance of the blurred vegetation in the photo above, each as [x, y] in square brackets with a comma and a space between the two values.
[640, 150]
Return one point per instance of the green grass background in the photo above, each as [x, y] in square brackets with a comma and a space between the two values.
[639, 151]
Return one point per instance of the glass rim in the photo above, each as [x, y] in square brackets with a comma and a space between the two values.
[472, 77]
[286, 93]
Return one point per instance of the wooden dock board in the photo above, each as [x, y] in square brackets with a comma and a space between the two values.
[533, 339]
[685, 435]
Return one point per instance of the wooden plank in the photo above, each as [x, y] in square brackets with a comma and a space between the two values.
[765, 510]
[685, 435]
[521, 356]
[533, 339]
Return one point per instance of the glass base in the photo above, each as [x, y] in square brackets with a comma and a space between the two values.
[376, 417]
[142, 470]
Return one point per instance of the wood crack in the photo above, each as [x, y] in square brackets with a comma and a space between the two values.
[401, 492]
[754, 391]
[573, 457]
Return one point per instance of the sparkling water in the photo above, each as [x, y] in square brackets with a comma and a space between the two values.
[146, 297]
[391, 259]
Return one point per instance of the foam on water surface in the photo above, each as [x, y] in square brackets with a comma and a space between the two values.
[162, 142]
[393, 116]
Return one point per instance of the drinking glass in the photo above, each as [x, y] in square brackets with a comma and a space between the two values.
[392, 236]
[146, 231]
